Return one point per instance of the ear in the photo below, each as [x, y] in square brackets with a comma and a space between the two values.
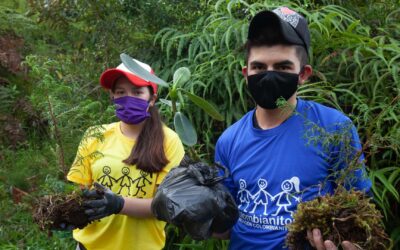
[244, 73]
[111, 95]
[305, 74]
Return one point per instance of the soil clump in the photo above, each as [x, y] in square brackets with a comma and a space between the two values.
[343, 216]
[55, 212]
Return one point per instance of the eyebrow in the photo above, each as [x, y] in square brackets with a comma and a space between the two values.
[257, 63]
[284, 63]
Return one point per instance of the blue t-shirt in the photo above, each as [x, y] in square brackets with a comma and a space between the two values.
[272, 170]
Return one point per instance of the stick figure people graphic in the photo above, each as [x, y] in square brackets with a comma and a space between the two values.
[106, 179]
[243, 194]
[261, 197]
[284, 197]
[125, 180]
[141, 182]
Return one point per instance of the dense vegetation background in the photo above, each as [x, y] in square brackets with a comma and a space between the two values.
[52, 53]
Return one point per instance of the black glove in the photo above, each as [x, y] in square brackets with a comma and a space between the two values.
[103, 202]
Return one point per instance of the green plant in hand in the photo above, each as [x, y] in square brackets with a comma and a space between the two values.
[345, 215]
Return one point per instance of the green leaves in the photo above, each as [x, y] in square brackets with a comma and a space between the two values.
[384, 183]
[185, 129]
[204, 105]
[181, 76]
[133, 66]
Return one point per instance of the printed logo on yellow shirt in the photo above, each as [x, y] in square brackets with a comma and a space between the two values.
[128, 185]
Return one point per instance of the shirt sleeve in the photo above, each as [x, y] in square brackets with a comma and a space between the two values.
[81, 169]
[348, 162]
[174, 152]
[221, 158]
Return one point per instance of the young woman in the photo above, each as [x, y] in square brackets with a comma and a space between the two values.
[128, 159]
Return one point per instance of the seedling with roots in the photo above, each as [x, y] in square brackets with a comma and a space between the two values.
[347, 214]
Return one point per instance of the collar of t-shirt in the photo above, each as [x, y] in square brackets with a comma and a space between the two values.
[255, 122]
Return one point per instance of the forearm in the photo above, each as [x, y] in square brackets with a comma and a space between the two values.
[139, 208]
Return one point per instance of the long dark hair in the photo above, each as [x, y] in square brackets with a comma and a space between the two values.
[148, 153]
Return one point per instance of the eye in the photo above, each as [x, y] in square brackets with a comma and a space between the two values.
[258, 67]
[283, 67]
[119, 92]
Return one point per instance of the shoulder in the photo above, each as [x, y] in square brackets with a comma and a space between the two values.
[169, 134]
[98, 133]
[173, 147]
[171, 138]
[237, 128]
[322, 115]
[102, 129]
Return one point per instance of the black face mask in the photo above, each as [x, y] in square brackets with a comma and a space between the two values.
[267, 87]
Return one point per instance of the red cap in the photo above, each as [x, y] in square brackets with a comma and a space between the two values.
[107, 79]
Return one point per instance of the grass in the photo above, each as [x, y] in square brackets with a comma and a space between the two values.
[18, 231]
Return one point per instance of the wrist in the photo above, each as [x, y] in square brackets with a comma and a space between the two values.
[121, 203]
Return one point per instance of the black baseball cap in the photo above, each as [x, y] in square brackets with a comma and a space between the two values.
[280, 23]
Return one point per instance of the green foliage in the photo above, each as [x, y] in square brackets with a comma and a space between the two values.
[181, 76]
[17, 230]
[8, 95]
[365, 85]
[156, 14]
[178, 240]
[209, 51]
[67, 44]
[133, 66]
[12, 20]
[210, 109]
[67, 105]
[25, 169]
[185, 129]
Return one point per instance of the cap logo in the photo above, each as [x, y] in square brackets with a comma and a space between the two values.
[288, 15]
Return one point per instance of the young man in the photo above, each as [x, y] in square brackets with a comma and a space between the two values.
[270, 152]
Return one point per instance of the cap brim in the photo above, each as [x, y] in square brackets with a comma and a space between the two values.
[108, 78]
[268, 21]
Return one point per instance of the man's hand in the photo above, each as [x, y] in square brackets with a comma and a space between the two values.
[103, 202]
[316, 240]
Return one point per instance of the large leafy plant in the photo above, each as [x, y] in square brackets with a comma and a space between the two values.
[176, 98]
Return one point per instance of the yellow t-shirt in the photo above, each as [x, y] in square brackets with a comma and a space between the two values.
[100, 159]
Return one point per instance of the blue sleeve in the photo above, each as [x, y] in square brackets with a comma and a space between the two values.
[221, 158]
[348, 153]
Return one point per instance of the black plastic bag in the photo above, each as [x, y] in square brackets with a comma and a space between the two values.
[192, 198]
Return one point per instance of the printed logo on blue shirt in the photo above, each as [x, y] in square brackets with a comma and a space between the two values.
[254, 208]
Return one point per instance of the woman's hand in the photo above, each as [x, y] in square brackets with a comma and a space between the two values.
[103, 202]
[316, 240]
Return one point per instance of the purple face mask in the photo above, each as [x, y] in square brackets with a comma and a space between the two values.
[131, 110]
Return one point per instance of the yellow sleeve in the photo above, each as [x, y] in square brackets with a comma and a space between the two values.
[81, 169]
[174, 151]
